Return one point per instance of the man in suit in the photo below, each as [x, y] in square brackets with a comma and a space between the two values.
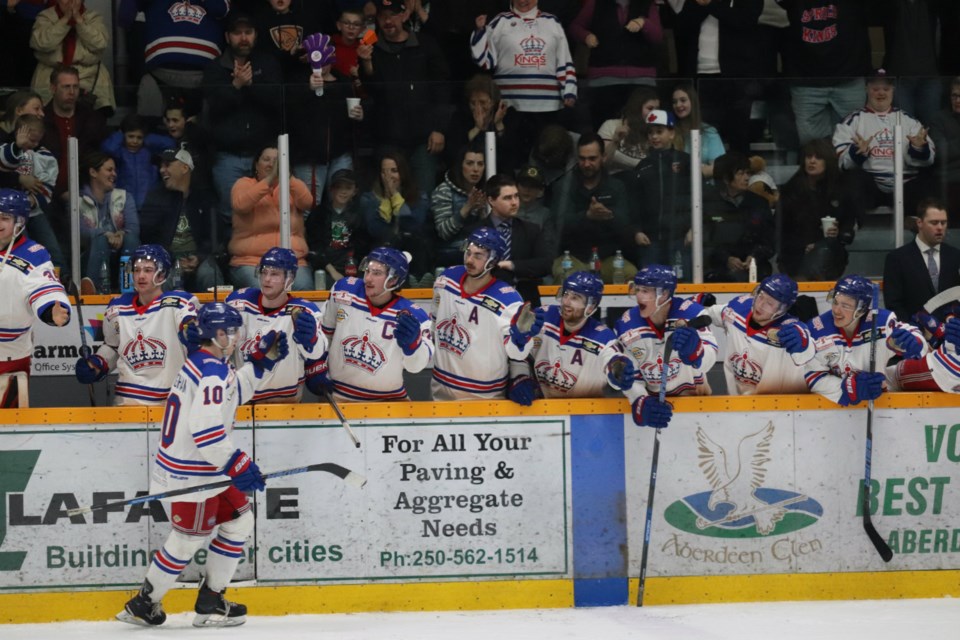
[528, 255]
[915, 272]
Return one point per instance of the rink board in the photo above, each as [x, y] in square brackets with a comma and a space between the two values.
[485, 505]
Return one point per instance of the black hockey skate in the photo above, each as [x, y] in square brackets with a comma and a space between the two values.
[213, 610]
[141, 610]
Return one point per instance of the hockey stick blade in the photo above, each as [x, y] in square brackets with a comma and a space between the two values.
[350, 477]
[944, 297]
[886, 553]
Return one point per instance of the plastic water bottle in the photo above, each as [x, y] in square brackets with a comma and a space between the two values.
[176, 275]
[678, 264]
[619, 268]
[566, 264]
[103, 282]
[595, 261]
[126, 276]
[350, 268]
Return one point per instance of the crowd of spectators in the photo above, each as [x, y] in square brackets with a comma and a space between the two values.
[591, 103]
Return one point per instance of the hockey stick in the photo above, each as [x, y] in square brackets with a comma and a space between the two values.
[878, 542]
[85, 350]
[350, 477]
[343, 420]
[950, 295]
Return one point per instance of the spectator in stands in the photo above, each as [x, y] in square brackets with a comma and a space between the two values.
[738, 225]
[244, 106]
[530, 188]
[625, 138]
[595, 216]
[180, 215]
[409, 86]
[335, 229]
[917, 271]
[18, 103]
[347, 46]
[624, 40]
[554, 156]
[109, 221]
[255, 201]
[807, 251]
[182, 126]
[864, 144]
[910, 53]
[134, 150]
[945, 132]
[485, 111]
[181, 39]
[686, 110]
[459, 204]
[282, 25]
[71, 34]
[828, 54]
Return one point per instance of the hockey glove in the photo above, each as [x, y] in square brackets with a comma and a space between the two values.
[705, 299]
[687, 344]
[305, 329]
[648, 411]
[951, 332]
[271, 349]
[621, 372]
[933, 330]
[793, 338]
[407, 333]
[523, 390]
[860, 386]
[525, 325]
[245, 472]
[91, 369]
[906, 343]
[190, 335]
[317, 377]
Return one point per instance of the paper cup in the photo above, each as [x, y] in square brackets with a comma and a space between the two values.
[828, 223]
[351, 103]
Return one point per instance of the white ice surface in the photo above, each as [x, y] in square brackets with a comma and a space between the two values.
[850, 620]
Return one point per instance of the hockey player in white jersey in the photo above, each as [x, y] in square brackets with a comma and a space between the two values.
[272, 308]
[841, 369]
[573, 353]
[196, 448]
[939, 369]
[766, 348]
[642, 332]
[145, 333]
[475, 325]
[30, 291]
[375, 334]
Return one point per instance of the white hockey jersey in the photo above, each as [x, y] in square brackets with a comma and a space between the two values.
[755, 362]
[643, 342]
[570, 365]
[944, 365]
[142, 342]
[472, 333]
[838, 356]
[195, 442]
[29, 287]
[285, 382]
[365, 362]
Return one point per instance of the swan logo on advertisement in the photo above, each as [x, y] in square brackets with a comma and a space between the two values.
[737, 504]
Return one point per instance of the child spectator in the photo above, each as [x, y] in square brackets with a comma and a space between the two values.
[182, 127]
[335, 229]
[134, 149]
[348, 46]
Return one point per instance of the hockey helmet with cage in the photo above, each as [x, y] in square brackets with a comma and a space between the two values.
[280, 258]
[587, 284]
[857, 287]
[217, 315]
[781, 288]
[488, 238]
[396, 262]
[658, 276]
[156, 254]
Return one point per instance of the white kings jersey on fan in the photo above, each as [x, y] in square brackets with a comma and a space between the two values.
[570, 365]
[195, 443]
[142, 342]
[285, 382]
[365, 363]
[472, 333]
[29, 286]
[755, 362]
[643, 342]
[837, 356]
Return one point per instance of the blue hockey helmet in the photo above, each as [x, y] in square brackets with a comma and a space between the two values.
[488, 238]
[282, 259]
[659, 276]
[781, 288]
[587, 284]
[396, 262]
[858, 288]
[156, 254]
[217, 315]
[15, 203]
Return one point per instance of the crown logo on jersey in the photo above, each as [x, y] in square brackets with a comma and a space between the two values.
[533, 53]
[555, 375]
[144, 352]
[532, 45]
[453, 337]
[652, 371]
[745, 370]
[360, 352]
[186, 12]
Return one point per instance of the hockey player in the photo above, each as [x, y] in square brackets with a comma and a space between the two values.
[196, 448]
[374, 333]
[475, 326]
[841, 369]
[145, 333]
[272, 308]
[642, 332]
[573, 353]
[939, 370]
[30, 289]
[766, 349]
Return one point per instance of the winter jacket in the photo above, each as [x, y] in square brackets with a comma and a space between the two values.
[136, 172]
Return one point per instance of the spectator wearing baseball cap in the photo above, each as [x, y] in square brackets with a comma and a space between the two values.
[335, 228]
[531, 186]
